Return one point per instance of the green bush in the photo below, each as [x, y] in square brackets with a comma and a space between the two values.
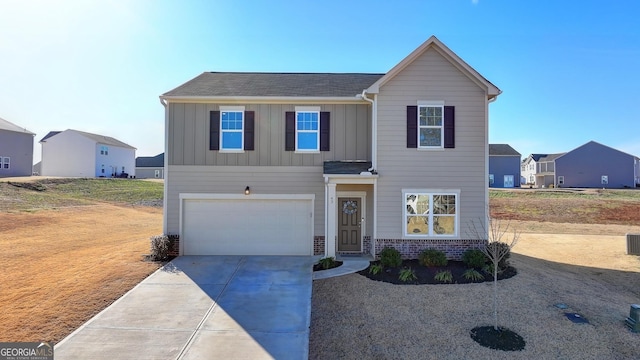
[474, 258]
[327, 263]
[375, 269]
[444, 276]
[502, 247]
[159, 248]
[390, 257]
[473, 275]
[431, 257]
[407, 274]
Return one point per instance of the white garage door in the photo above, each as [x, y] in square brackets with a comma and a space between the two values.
[247, 226]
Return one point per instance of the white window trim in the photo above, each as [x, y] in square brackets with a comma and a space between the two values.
[602, 180]
[299, 109]
[430, 103]
[492, 179]
[560, 179]
[232, 109]
[431, 192]
[6, 161]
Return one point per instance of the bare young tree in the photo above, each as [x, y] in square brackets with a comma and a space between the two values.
[500, 241]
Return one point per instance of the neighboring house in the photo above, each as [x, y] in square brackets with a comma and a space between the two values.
[504, 166]
[16, 150]
[326, 163]
[591, 165]
[150, 167]
[76, 153]
[528, 169]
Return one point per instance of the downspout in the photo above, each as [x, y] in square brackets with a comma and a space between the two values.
[166, 166]
[374, 164]
[374, 128]
[487, 218]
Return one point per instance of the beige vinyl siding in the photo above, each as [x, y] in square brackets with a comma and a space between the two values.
[431, 77]
[234, 179]
[189, 136]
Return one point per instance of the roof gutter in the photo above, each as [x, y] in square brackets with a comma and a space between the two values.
[374, 129]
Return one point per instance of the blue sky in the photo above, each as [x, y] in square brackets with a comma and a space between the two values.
[569, 70]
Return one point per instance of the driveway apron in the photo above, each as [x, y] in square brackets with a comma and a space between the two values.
[205, 307]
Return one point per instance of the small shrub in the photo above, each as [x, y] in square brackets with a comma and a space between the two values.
[375, 269]
[431, 257]
[407, 274]
[473, 275]
[390, 257]
[327, 263]
[159, 247]
[444, 276]
[474, 258]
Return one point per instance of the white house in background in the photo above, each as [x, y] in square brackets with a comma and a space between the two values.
[76, 153]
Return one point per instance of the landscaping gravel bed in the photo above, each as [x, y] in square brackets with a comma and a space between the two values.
[354, 317]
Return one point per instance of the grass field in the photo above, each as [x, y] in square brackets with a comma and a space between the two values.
[71, 248]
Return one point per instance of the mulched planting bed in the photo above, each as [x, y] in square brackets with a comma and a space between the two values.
[501, 339]
[425, 275]
[319, 267]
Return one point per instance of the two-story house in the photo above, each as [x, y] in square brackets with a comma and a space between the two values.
[504, 166]
[76, 153]
[326, 163]
[16, 150]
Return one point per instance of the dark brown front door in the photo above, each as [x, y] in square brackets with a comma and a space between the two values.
[349, 224]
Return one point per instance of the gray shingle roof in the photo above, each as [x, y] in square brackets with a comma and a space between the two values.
[551, 157]
[502, 150]
[150, 161]
[275, 84]
[346, 167]
[101, 139]
[6, 125]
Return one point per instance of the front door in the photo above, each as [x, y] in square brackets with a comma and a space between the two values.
[349, 224]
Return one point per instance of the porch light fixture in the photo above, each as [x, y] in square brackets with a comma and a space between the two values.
[247, 191]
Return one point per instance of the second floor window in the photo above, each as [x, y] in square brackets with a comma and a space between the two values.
[430, 126]
[231, 128]
[307, 130]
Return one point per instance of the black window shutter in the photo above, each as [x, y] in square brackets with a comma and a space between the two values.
[290, 131]
[325, 130]
[412, 126]
[249, 130]
[214, 130]
[449, 127]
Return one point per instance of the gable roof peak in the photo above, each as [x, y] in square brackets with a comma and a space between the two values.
[453, 58]
[9, 126]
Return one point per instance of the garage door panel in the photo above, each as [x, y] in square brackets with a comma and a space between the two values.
[247, 227]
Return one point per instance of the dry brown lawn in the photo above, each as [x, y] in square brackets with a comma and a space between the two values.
[61, 267]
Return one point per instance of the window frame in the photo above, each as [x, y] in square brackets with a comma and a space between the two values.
[307, 109]
[431, 193]
[6, 163]
[431, 104]
[234, 109]
[560, 179]
[604, 180]
[491, 179]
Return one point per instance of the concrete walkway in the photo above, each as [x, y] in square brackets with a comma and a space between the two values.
[349, 265]
[205, 307]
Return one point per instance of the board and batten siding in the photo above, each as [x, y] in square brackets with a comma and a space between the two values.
[431, 78]
[350, 136]
[234, 179]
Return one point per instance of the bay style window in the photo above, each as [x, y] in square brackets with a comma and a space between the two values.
[432, 214]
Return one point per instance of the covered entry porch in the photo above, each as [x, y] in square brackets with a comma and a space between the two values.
[350, 207]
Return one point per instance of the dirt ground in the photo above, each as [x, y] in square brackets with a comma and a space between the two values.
[61, 267]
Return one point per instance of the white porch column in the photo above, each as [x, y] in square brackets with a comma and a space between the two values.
[330, 233]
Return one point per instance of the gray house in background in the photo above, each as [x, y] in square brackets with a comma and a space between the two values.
[150, 167]
[596, 166]
[591, 165]
[504, 166]
[16, 150]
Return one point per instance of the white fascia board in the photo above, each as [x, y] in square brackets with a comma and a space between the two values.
[350, 179]
[264, 99]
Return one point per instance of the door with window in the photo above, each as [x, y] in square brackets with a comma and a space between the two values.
[508, 181]
[349, 224]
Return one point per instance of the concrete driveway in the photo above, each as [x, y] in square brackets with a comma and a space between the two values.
[205, 307]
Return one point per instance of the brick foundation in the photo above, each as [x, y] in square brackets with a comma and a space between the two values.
[318, 245]
[174, 245]
[411, 248]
